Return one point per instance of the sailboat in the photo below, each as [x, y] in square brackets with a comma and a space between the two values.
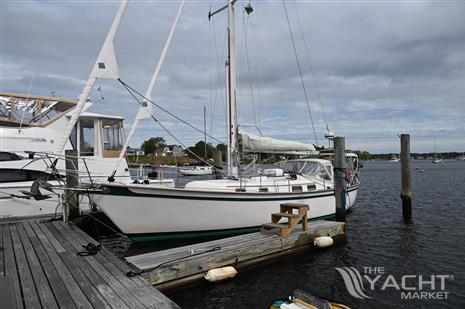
[394, 158]
[436, 158]
[235, 204]
[203, 169]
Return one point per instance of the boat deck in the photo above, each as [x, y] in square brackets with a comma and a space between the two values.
[40, 268]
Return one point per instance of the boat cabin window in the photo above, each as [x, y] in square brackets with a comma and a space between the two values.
[18, 175]
[8, 156]
[87, 137]
[112, 136]
[297, 189]
[308, 167]
[36, 111]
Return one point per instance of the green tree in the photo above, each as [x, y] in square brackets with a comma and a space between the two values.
[153, 145]
[364, 155]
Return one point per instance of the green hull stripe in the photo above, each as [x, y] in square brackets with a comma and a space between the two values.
[200, 234]
[235, 197]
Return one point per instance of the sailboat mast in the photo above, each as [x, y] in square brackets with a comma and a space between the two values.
[205, 131]
[231, 94]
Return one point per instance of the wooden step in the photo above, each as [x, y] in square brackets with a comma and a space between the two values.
[272, 226]
[284, 215]
[294, 205]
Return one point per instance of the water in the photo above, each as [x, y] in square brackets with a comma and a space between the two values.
[433, 244]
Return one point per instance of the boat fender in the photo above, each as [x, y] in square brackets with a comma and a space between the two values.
[323, 241]
[218, 274]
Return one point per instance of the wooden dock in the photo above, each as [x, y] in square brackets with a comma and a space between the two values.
[40, 268]
[172, 267]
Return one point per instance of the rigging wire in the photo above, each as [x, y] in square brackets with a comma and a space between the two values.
[300, 71]
[131, 90]
[311, 66]
[215, 100]
[166, 129]
[127, 86]
[250, 78]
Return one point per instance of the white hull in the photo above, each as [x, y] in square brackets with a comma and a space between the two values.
[154, 211]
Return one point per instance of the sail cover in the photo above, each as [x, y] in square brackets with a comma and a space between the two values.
[255, 143]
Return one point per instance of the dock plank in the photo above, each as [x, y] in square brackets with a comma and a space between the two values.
[44, 291]
[66, 291]
[130, 300]
[110, 296]
[78, 285]
[2, 263]
[10, 265]
[31, 298]
[139, 287]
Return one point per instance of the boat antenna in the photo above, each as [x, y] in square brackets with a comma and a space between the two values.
[145, 109]
[27, 100]
[105, 67]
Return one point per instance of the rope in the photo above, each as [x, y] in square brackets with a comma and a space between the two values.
[300, 71]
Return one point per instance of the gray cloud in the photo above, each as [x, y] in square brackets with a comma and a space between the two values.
[381, 67]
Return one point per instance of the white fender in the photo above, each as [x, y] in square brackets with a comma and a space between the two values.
[218, 274]
[323, 241]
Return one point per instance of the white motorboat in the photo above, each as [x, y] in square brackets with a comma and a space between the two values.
[394, 158]
[237, 203]
[34, 124]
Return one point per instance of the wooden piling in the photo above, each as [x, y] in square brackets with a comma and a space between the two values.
[406, 184]
[340, 178]
[72, 181]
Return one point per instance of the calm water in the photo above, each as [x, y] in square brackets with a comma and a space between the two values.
[433, 244]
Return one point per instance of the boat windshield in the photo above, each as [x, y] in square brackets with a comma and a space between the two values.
[310, 168]
[31, 111]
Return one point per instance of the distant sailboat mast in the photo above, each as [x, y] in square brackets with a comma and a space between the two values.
[105, 68]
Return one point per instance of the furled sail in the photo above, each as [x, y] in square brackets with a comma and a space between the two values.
[255, 143]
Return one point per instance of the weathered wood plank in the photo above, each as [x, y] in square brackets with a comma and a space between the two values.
[91, 283]
[174, 268]
[110, 286]
[31, 298]
[148, 260]
[44, 291]
[66, 291]
[10, 265]
[2, 263]
[147, 294]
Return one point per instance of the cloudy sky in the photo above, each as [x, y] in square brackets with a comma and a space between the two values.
[381, 68]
